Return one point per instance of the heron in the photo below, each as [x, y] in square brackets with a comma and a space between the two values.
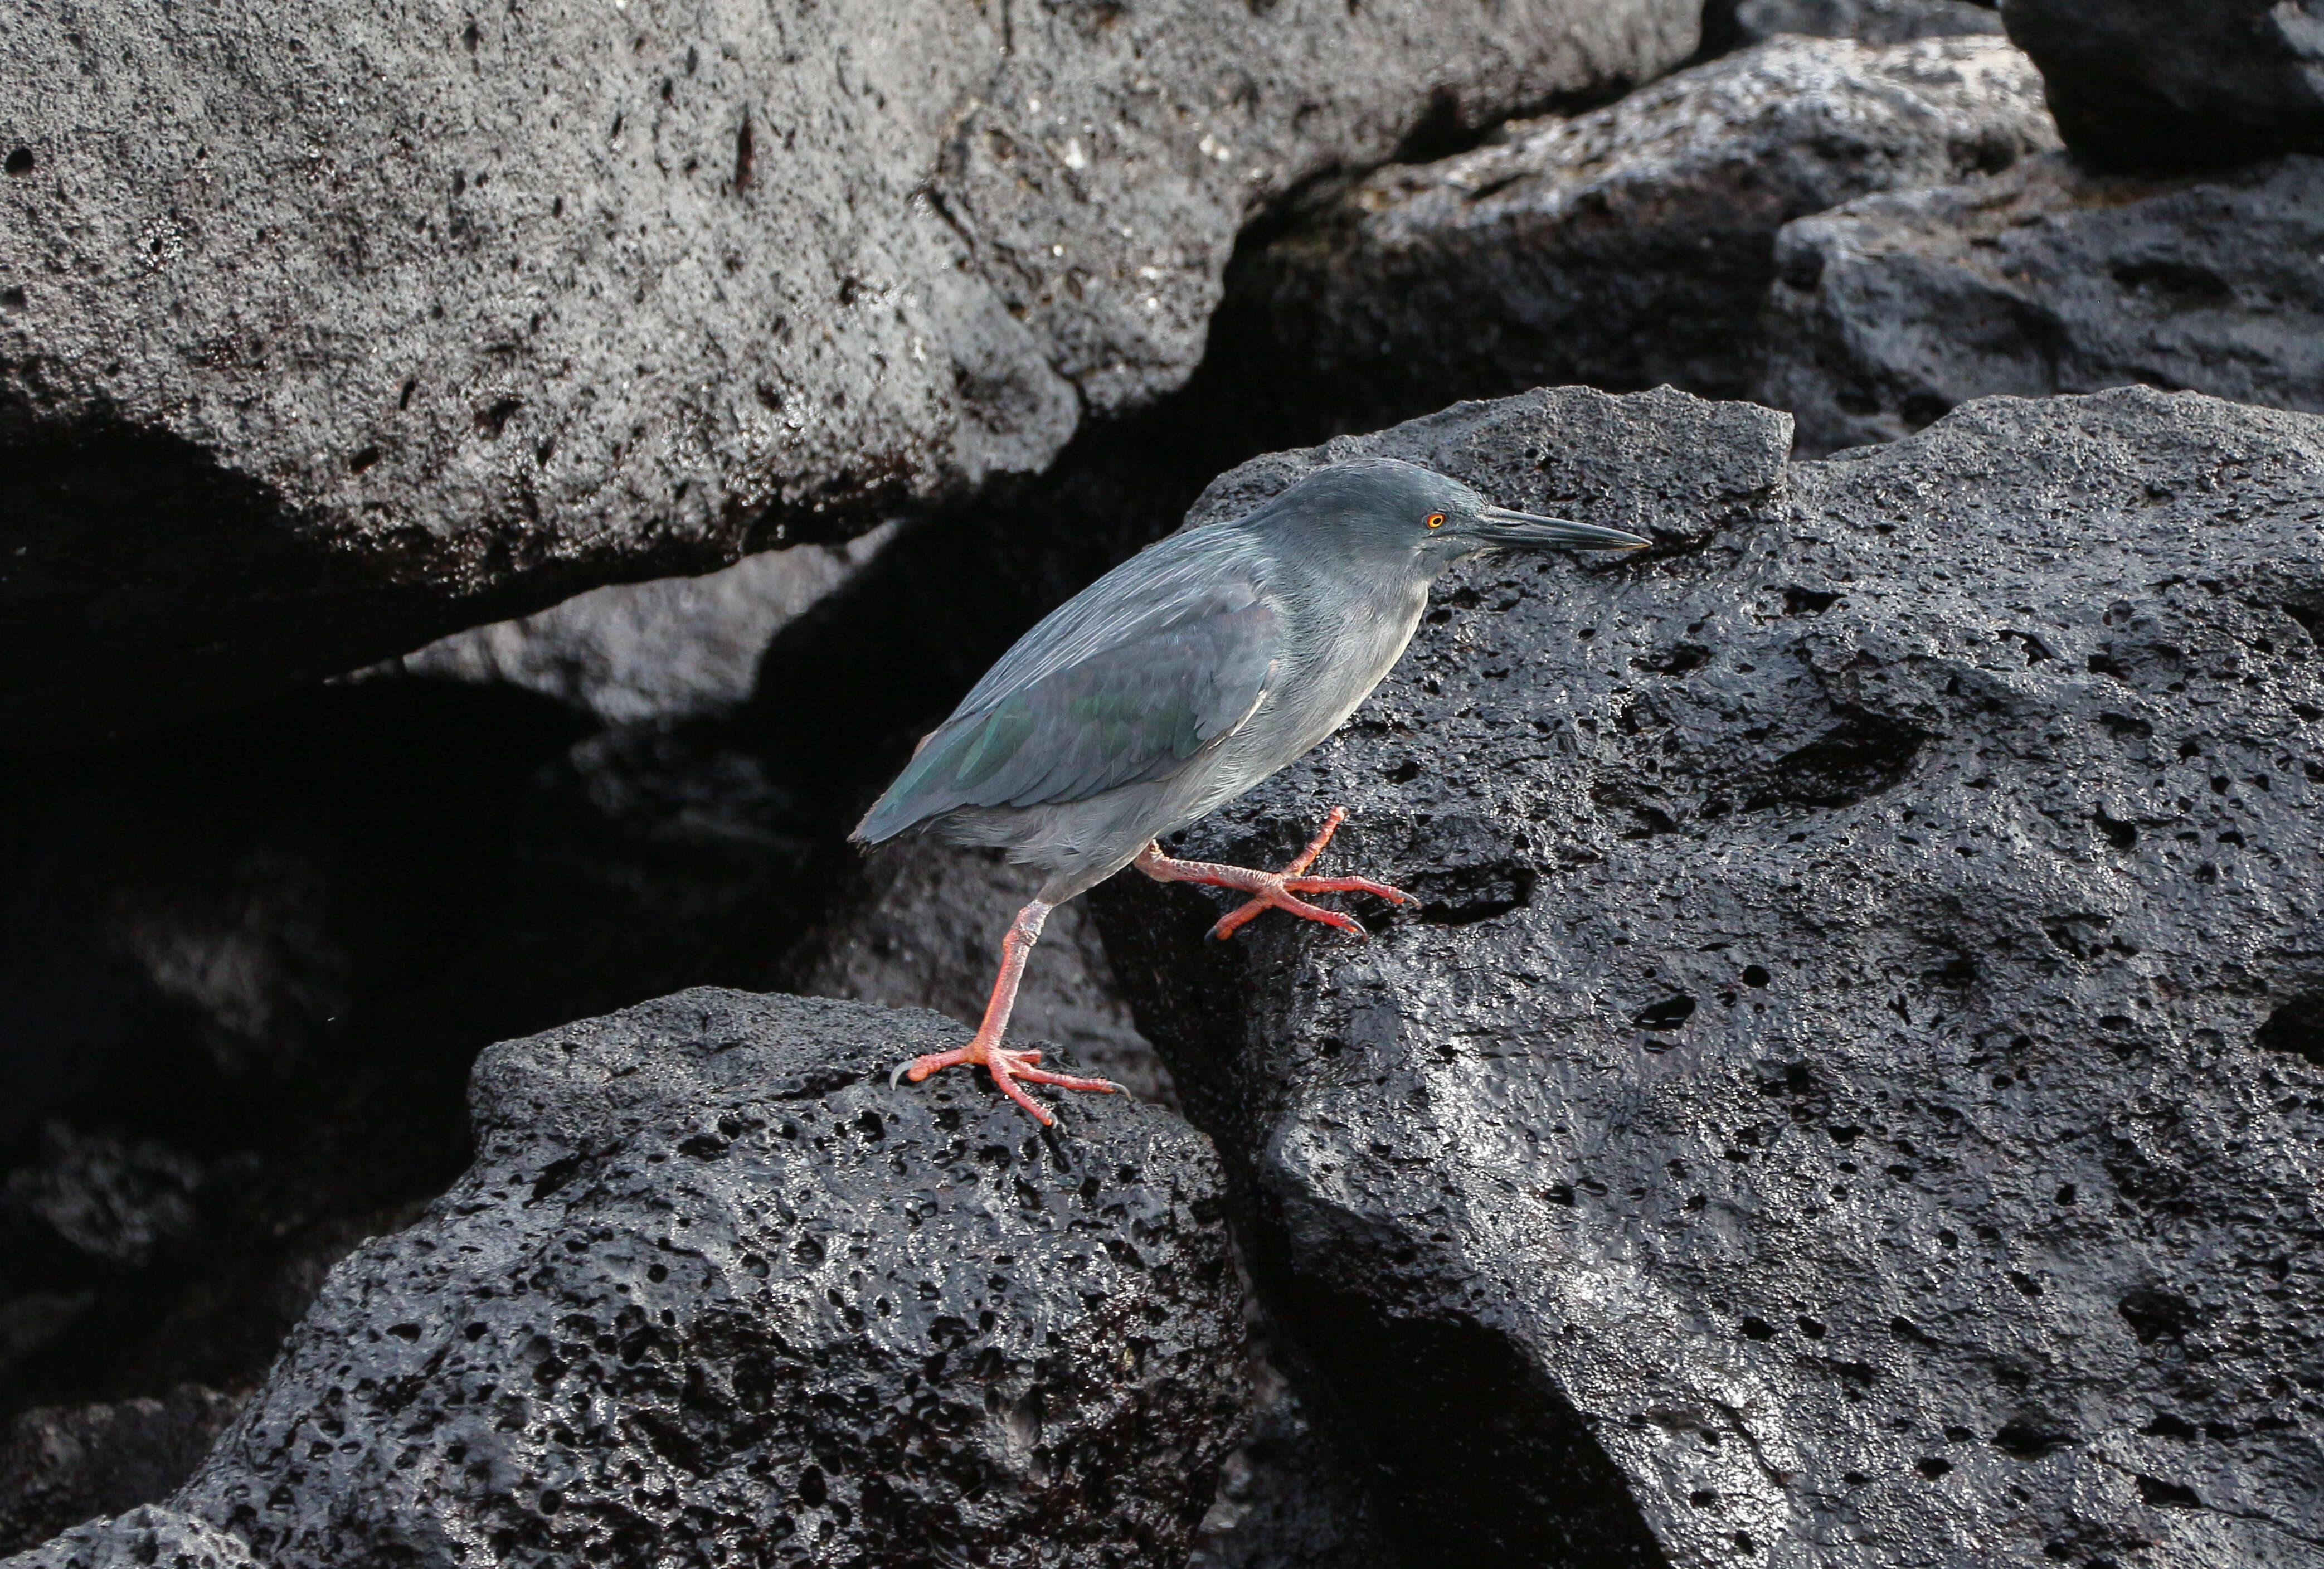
[1179, 680]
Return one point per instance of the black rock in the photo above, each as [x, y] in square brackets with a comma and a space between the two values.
[59, 1466]
[2154, 84]
[2046, 279]
[326, 330]
[1849, 1090]
[714, 1291]
[1624, 247]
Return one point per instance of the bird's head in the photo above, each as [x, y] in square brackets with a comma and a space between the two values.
[1384, 507]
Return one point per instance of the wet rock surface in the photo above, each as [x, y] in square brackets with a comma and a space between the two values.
[1628, 246]
[714, 1288]
[1893, 308]
[2148, 84]
[1849, 1091]
[63, 1465]
[569, 295]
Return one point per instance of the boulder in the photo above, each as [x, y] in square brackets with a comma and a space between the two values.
[63, 1465]
[713, 1291]
[632, 654]
[2047, 279]
[1866, 21]
[330, 329]
[144, 1539]
[1847, 1093]
[1628, 246]
[2149, 84]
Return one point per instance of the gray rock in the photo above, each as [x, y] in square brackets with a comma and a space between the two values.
[2150, 84]
[1848, 1093]
[714, 1291]
[920, 926]
[330, 329]
[670, 648]
[2046, 279]
[144, 1538]
[61, 1465]
[119, 1202]
[1624, 247]
[1867, 21]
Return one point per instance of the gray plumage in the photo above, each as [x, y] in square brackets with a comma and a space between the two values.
[1197, 668]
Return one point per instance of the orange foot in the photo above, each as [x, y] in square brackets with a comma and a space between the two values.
[1007, 1067]
[1273, 889]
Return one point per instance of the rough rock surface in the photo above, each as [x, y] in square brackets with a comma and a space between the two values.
[1866, 21]
[144, 1539]
[631, 653]
[714, 1291]
[2154, 84]
[1624, 247]
[59, 1466]
[2045, 278]
[326, 330]
[920, 926]
[1851, 1091]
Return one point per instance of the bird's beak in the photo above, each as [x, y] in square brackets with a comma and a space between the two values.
[1524, 531]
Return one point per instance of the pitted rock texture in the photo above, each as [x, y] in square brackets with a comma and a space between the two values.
[2048, 279]
[149, 1537]
[328, 329]
[714, 1291]
[59, 1466]
[2150, 84]
[1624, 247]
[1852, 1088]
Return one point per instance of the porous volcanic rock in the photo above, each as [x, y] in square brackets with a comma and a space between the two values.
[59, 1466]
[326, 330]
[149, 1537]
[715, 1291]
[1625, 247]
[1867, 21]
[2150, 84]
[2048, 279]
[1850, 1090]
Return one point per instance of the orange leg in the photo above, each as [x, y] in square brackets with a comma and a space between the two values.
[1007, 1067]
[1272, 890]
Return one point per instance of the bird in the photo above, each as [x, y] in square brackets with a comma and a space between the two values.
[1175, 682]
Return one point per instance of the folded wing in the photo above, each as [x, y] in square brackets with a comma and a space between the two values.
[1123, 689]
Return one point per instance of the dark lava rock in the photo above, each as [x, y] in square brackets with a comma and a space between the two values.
[2150, 84]
[144, 1538]
[2046, 279]
[59, 1466]
[1867, 21]
[328, 329]
[714, 1291]
[1624, 247]
[1848, 1095]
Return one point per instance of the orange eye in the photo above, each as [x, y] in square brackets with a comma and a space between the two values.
[1436, 520]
